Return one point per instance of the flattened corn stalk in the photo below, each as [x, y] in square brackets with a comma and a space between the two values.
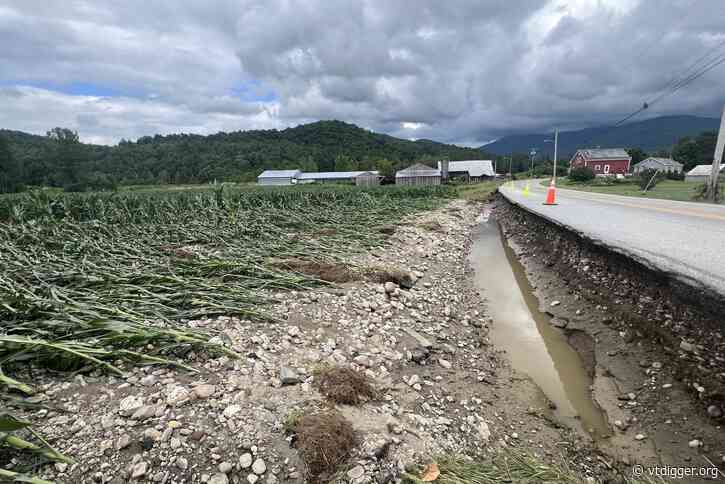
[89, 279]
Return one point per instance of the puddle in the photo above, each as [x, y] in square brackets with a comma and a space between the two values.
[532, 345]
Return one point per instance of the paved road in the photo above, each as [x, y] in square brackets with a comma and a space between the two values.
[685, 239]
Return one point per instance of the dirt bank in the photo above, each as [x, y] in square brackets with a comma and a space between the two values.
[656, 345]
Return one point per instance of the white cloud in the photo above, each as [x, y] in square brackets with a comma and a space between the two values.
[466, 72]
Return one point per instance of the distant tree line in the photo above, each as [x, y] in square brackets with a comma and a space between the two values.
[61, 160]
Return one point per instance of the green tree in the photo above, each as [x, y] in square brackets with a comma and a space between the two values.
[385, 167]
[345, 163]
[637, 155]
[9, 170]
[68, 154]
[695, 151]
[308, 165]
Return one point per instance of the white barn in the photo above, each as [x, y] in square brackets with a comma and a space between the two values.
[278, 177]
[701, 173]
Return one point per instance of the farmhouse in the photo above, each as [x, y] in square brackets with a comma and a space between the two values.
[666, 165]
[418, 174]
[469, 170]
[701, 173]
[603, 162]
[278, 177]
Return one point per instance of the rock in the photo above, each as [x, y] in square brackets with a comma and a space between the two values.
[288, 376]
[259, 467]
[555, 303]
[252, 478]
[177, 396]
[419, 338]
[123, 441]
[148, 381]
[484, 431]
[419, 355]
[245, 461]
[390, 287]
[218, 479]
[231, 411]
[182, 463]
[139, 470]
[694, 444]
[667, 385]
[204, 391]
[444, 363]
[129, 405]
[714, 411]
[108, 421]
[640, 437]
[152, 434]
[143, 413]
[413, 380]
[685, 346]
[61, 466]
[363, 360]
[657, 365]
[293, 331]
[559, 323]
[356, 472]
[225, 467]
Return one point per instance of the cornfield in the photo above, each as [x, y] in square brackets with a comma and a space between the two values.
[90, 280]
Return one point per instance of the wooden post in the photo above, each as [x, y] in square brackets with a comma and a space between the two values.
[713, 188]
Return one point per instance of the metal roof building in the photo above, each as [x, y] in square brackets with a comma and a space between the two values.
[332, 176]
[701, 173]
[470, 168]
[278, 177]
[662, 164]
[418, 174]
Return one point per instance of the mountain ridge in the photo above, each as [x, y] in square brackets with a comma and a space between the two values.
[651, 135]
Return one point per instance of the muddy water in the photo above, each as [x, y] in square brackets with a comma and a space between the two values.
[533, 346]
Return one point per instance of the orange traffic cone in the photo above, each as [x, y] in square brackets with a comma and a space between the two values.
[551, 194]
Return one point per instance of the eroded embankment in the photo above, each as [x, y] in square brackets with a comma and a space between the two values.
[687, 322]
[656, 344]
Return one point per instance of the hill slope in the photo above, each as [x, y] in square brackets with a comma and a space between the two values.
[241, 155]
[650, 135]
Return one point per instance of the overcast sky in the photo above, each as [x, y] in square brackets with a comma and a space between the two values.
[463, 71]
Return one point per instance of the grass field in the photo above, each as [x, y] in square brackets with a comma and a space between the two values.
[665, 189]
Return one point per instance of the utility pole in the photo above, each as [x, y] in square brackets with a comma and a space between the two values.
[556, 146]
[713, 188]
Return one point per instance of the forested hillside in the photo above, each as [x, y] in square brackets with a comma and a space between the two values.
[59, 160]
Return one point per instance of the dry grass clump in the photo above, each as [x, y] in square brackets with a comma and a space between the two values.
[323, 440]
[392, 274]
[506, 466]
[344, 385]
[324, 271]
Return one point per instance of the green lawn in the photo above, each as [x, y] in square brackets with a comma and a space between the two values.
[666, 189]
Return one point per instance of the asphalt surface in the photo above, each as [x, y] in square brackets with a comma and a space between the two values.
[683, 239]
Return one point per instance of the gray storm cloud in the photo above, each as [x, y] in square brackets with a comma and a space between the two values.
[464, 71]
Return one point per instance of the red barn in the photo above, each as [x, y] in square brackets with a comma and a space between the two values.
[609, 161]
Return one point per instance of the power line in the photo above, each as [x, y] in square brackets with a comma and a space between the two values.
[696, 70]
